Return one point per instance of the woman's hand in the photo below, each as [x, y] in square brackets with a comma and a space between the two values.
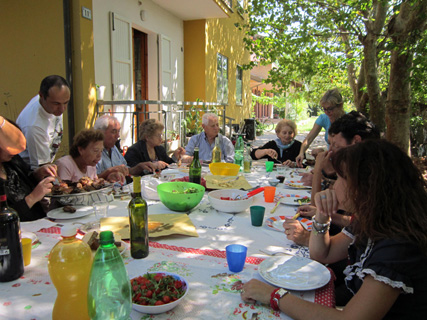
[43, 188]
[47, 170]
[326, 204]
[295, 232]
[178, 153]
[307, 210]
[160, 165]
[289, 163]
[299, 160]
[307, 178]
[255, 290]
[266, 152]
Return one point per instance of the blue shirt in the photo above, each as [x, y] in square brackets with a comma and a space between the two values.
[324, 122]
[107, 162]
[205, 149]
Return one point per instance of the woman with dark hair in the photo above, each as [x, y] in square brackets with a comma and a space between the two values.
[386, 243]
[149, 149]
[85, 152]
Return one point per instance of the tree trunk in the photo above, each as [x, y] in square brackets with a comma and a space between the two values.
[374, 24]
[411, 17]
[398, 101]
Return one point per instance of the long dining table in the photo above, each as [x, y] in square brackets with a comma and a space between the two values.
[213, 290]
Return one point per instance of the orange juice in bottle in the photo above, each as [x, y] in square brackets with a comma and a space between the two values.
[69, 266]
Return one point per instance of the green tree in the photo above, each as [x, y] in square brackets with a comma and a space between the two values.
[373, 50]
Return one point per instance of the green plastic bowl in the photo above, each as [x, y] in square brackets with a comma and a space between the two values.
[180, 201]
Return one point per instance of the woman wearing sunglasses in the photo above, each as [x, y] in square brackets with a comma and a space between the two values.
[332, 104]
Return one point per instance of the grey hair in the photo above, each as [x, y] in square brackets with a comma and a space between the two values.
[207, 116]
[103, 122]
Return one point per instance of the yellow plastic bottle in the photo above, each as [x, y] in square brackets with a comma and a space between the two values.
[69, 264]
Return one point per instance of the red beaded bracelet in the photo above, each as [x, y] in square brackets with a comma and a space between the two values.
[276, 295]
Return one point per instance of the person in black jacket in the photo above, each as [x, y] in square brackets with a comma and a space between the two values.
[282, 150]
[25, 189]
[149, 148]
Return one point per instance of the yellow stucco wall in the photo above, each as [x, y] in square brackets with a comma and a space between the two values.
[225, 38]
[194, 60]
[218, 36]
[32, 47]
[32, 38]
[83, 67]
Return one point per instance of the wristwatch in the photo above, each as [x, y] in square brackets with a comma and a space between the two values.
[276, 295]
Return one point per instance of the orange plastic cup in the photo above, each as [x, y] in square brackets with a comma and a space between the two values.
[26, 250]
[269, 193]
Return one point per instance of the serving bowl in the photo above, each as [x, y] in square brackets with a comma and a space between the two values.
[163, 307]
[273, 182]
[173, 195]
[224, 169]
[229, 206]
[86, 198]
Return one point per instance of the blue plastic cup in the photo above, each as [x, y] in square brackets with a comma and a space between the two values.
[236, 256]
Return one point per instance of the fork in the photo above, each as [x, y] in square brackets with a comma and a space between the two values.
[272, 254]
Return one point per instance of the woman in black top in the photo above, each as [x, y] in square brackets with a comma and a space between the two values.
[282, 150]
[23, 189]
[149, 148]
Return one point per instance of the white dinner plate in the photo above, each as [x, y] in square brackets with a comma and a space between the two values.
[293, 201]
[276, 223]
[294, 273]
[295, 184]
[59, 213]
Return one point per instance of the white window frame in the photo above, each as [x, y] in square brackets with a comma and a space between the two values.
[222, 79]
[239, 85]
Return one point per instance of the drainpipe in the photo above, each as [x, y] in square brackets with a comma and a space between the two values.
[69, 67]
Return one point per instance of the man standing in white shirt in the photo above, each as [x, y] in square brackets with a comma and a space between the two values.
[41, 121]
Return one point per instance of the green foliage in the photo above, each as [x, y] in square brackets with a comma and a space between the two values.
[192, 121]
[316, 42]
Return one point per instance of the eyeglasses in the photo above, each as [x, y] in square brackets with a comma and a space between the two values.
[329, 109]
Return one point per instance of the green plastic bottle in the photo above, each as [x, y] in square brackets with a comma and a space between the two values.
[110, 293]
[138, 221]
[238, 151]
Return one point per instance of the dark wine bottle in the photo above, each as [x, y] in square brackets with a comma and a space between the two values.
[138, 221]
[11, 261]
[195, 172]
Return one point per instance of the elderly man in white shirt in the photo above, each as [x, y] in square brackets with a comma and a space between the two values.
[206, 141]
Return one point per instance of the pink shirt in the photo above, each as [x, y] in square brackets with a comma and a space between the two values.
[68, 170]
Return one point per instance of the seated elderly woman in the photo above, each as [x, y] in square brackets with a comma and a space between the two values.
[25, 189]
[149, 148]
[284, 149]
[85, 153]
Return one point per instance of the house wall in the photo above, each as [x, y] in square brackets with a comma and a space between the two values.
[194, 60]
[223, 37]
[32, 47]
[157, 21]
